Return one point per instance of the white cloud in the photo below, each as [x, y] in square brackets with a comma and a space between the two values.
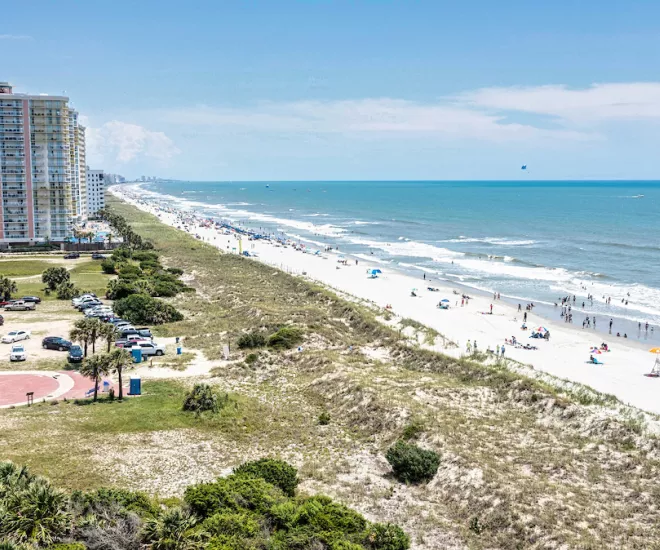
[599, 102]
[121, 142]
[382, 117]
[15, 37]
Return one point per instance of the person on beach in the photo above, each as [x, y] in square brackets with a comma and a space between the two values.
[497, 349]
[611, 323]
[502, 350]
[525, 317]
[491, 309]
[468, 347]
[519, 307]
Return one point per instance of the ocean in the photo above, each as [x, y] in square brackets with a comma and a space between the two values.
[530, 241]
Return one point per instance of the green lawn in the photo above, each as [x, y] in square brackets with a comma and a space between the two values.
[25, 268]
[86, 275]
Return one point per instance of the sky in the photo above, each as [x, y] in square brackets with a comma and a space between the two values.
[350, 90]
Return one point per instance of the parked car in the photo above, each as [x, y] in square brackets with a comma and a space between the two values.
[79, 299]
[34, 299]
[75, 354]
[18, 353]
[130, 340]
[148, 348]
[71, 256]
[20, 305]
[124, 325]
[15, 336]
[98, 310]
[118, 321]
[141, 332]
[77, 302]
[56, 342]
[87, 305]
[98, 256]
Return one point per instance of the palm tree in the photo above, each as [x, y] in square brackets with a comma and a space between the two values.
[80, 333]
[7, 288]
[109, 333]
[94, 325]
[118, 359]
[96, 367]
[171, 530]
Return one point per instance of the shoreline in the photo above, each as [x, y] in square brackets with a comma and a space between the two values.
[565, 355]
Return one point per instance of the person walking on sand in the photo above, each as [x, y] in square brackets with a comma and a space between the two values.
[497, 352]
[519, 307]
[468, 347]
[502, 350]
[611, 322]
[491, 309]
[525, 317]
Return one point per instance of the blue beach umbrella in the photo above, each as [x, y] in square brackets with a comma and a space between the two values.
[445, 300]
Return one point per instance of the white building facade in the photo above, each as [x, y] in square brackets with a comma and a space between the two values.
[95, 191]
[37, 167]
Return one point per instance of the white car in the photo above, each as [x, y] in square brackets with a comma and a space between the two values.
[100, 310]
[18, 353]
[83, 300]
[148, 348]
[15, 336]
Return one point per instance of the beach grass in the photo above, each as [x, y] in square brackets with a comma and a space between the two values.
[524, 462]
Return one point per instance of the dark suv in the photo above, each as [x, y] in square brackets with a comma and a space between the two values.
[75, 354]
[55, 342]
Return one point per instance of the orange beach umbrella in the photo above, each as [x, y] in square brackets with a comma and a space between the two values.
[655, 350]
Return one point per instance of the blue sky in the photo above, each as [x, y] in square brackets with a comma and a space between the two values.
[281, 89]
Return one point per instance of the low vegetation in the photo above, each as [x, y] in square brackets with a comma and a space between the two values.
[204, 398]
[142, 309]
[412, 464]
[241, 511]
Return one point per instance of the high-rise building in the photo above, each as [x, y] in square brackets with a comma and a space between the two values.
[78, 171]
[37, 167]
[95, 191]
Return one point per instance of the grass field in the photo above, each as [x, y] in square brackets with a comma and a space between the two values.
[523, 465]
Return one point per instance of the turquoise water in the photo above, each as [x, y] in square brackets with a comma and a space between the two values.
[531, 241]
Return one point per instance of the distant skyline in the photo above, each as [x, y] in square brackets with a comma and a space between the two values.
[350, 90]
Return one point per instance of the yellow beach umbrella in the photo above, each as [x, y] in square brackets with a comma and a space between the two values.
[655, 350]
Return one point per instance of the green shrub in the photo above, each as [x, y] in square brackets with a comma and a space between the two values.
[145, 256]
[285, 338]
[275, 472]
[145, 310]
[108, 266]
[233, 524]
[387, 537]
[68, 546]
[129, 272]
[165, 289]
[412, 464]
[66, 290]
[412, 431]
[119, 289]
[251, 340]
[324, 418]
[252, 358]
[104, 497]
[174, 271]
[54, 276]
[203, 398]
[150, 265]
[233, 493]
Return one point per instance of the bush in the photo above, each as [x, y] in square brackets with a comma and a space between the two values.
[412, 430]
[275, 472]
[324, 418]
[412, 464]
[66, 290]
[165, 289]
[93, 502]
[233, 493]
[129, 272]
[285, 338]
[108, 266]
[144, 310]
[120, 289]
[175, 271]
[251, 340]
[387, 537]
[252, 358]
[54, 276]
[202, 398]
[144, 256]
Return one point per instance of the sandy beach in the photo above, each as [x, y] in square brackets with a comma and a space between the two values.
[564, 355]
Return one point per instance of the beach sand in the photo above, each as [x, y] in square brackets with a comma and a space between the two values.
[565, 355]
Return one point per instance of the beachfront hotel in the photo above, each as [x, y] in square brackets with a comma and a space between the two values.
[42, 168]
[95, 191]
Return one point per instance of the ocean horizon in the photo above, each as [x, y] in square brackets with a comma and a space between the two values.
[532, 241]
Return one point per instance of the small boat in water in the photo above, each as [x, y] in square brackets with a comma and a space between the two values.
[638, 196]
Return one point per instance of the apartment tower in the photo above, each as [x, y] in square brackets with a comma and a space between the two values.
[42, 150]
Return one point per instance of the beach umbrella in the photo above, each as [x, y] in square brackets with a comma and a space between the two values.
[445, 300]
[375, 271]
[596, 350]
[655, 350]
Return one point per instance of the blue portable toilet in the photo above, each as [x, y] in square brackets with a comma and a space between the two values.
[137, 354]
[135, 387]
[179, 350]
